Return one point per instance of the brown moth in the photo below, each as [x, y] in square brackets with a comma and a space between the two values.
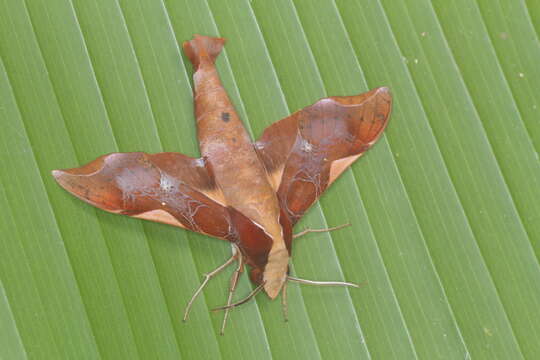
[248, 193]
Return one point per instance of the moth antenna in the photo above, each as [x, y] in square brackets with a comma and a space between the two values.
[284, 304]
[323, 283]
[243, 301]
[234, 283]
[307, 231]
[207, 278]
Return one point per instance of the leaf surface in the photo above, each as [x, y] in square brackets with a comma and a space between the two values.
[444, 209]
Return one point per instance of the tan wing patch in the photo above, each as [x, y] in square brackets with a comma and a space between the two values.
[339, 166]
[216, 195]
[161, 216]
[275, 178]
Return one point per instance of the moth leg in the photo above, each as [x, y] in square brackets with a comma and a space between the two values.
[322, 283]
[284, 304]
[244, 300]
[307, 231]
[234, 283]
[207, 278]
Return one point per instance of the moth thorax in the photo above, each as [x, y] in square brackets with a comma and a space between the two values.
[275, 271]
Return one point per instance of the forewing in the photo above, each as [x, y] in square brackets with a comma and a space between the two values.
[167, 187]
[305, 152]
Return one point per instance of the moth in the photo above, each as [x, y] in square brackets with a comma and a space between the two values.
[248, 193]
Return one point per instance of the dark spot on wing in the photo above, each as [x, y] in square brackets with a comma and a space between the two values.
[225, 116]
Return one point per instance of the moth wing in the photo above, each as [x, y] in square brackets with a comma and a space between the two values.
[305, 152]
[167, 187]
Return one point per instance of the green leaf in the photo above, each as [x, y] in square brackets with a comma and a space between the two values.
[445, 209]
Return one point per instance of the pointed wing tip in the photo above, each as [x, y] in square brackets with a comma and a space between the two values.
[379, 100]
[79, 183]
[60, 177]
[56, 174]
[383, 99]
[65, 179]
[384, 91]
